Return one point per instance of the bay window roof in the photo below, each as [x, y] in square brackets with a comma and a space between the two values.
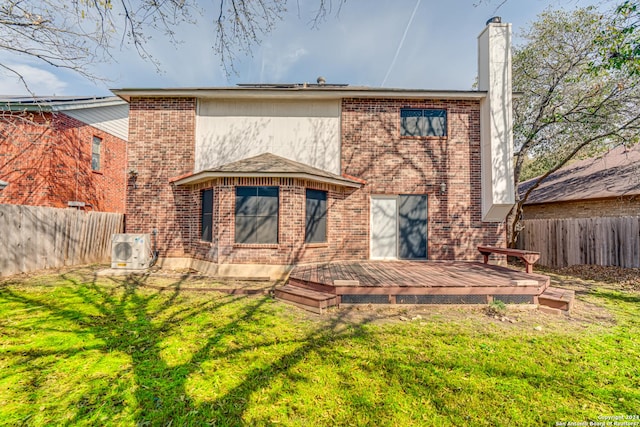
[268, 165]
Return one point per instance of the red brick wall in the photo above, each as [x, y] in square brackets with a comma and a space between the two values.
[373, 150]
[46, 158]
[161, 146]
[614, 206]
[291, 247]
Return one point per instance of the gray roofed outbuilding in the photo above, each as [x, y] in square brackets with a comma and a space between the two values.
[614, 174]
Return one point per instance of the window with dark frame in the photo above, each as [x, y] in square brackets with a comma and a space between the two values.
[206, 216]
[257, 214]
[95, 153]
[316, 217]
[423, 122]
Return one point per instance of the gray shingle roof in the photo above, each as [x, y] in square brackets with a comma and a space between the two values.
[614, 174]
[267, 165]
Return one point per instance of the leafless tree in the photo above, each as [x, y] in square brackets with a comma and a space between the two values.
[74, 34]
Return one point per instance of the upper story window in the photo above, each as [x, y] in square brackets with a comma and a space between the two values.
[257, 214]
[206, 215]
[423, 122]
[95, 153]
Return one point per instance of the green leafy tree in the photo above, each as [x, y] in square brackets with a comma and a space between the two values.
[619, 41]
[571, 103]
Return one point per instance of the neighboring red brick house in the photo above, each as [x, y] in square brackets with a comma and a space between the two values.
[64, 152]
[606, 186]
[256, 178]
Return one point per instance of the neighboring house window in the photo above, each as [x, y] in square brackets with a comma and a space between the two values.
[206, 217]
[256, 215]
[95, 153]
[420, 122]
[316, 217]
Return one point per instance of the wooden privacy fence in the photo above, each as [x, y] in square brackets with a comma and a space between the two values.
[34, 238]
[600, 241]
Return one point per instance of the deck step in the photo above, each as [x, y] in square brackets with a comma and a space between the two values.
[556, 298]
[307, 299]
[314, 286]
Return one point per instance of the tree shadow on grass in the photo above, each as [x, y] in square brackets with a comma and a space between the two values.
[123, 319]
[234, 367]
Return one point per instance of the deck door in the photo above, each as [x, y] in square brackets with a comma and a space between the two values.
[412, 226]
[399, 227]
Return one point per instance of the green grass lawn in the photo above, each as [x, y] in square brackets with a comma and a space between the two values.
[84, 350]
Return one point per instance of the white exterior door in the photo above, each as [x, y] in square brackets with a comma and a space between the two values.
[384, 228]
[399, 227]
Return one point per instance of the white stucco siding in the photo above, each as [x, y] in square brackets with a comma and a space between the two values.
[305, 131]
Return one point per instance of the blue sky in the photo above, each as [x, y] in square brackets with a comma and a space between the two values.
[434, 50]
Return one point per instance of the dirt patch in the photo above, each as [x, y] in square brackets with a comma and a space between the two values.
[158, 279]
[203, 284]
[584, 314]
[191, 280]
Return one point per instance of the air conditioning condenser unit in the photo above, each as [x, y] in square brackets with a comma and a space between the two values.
[131, 251]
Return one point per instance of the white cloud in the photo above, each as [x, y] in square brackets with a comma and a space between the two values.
[37, 80]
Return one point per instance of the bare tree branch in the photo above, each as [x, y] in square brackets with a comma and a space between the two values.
[78, 34]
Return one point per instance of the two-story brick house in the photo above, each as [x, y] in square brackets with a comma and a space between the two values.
[64, 152]
[256, 178]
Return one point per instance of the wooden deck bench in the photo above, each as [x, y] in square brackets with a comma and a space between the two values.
[528, 257]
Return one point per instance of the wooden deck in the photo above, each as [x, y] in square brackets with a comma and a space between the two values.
[407, 282]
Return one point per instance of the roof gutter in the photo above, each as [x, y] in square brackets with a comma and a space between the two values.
[297, 93]
[49, 106]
